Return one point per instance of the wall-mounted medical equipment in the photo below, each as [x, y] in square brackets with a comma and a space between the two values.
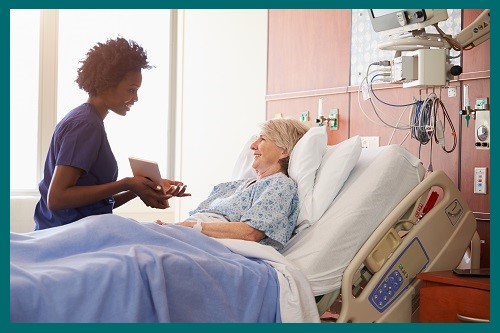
[482, 126]
[481, 115]
[332, 121]
[422, 59]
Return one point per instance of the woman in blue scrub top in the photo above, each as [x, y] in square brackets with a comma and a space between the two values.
[80, 174]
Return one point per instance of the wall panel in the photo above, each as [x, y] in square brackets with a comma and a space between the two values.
[307, 47]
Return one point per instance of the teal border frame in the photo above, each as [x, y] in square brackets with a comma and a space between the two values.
[6, 326]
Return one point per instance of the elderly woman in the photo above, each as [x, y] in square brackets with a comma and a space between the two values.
[263, 209]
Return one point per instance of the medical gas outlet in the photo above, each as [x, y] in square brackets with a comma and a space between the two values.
[332, 121]
[482, 127]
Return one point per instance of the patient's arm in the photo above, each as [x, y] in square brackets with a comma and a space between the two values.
[235, 230]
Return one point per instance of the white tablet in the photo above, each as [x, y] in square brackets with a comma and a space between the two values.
[145, 168]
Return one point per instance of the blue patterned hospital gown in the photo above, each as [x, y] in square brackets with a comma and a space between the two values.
[269, 205]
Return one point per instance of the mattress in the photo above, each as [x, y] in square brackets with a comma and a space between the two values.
[382, 177]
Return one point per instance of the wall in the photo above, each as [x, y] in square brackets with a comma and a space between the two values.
[21, 213]
[222, 77]
[310, 58]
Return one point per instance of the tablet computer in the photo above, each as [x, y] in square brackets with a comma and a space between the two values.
[145, 168]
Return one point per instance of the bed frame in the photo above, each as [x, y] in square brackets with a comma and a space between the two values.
[380, 285]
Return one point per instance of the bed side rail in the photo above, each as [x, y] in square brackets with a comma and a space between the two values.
[434, 242]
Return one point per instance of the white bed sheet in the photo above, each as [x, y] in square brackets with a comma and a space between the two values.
[297, 302]
[382, 177]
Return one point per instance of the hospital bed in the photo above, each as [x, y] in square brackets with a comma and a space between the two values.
[361, 255]
[383, 228]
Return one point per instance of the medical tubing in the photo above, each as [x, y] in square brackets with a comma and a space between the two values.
[379, 117]
[386, 63]
[455, 56]
[438, 102]
[381, 101]
[397, 125]
[375, 109]
[404, 139]
[453, 43]
[430, 168]
[383, 121]
[414, 118]
[361, 106]
[421, 117]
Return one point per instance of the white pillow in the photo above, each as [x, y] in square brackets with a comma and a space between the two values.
[319, 171]
[305, 160]
[243, 166]
[336, 165]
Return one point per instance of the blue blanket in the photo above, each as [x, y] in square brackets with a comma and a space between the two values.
[109, 268]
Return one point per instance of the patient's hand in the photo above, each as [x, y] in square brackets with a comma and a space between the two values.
[175, 188]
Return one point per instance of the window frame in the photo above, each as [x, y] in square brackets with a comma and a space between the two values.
[48, 86]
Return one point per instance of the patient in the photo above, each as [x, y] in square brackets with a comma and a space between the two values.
[263, 209]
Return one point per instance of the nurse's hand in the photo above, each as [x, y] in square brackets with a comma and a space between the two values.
[150, 193]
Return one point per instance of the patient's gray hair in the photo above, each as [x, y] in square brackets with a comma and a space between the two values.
[285, 133]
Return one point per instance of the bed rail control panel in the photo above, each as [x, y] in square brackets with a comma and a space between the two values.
[382, 251]
[400, 275]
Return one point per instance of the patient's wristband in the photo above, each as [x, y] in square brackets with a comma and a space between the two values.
[197, 226]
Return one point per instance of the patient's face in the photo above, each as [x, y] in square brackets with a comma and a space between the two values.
[266, 156]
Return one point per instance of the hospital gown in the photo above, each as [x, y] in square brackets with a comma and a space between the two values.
[269, 205]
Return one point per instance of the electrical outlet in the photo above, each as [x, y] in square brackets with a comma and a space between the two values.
[370, 141]
[480, 180]
[366, 92]
[452, 91]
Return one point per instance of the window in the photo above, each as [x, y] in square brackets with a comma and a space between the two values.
[145, 132]
[23, 98]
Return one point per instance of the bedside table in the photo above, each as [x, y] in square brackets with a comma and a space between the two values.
[447, 297]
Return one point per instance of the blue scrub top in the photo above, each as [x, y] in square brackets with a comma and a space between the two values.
[80, 141]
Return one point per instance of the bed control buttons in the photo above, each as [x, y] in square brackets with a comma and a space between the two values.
[393, 283]
[387, 289]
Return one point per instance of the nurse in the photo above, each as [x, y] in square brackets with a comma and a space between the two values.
[81, 172]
